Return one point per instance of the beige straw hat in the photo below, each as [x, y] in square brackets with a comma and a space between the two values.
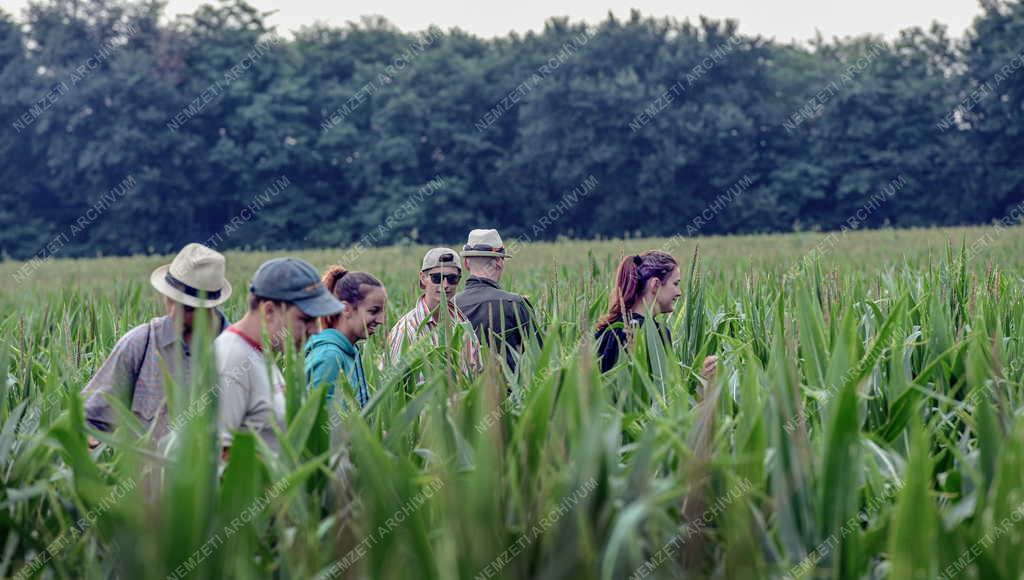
[484, 243]
[194, 278]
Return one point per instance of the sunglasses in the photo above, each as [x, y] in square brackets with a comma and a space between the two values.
[452, 279]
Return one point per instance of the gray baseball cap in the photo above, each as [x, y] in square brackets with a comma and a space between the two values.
[441, 257]
[296, 281]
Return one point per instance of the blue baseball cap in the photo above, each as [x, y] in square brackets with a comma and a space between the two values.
[295, 281]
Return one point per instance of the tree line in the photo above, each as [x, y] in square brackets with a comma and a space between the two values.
[658, 120]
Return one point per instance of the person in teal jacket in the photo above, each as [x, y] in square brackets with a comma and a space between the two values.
[333, 350]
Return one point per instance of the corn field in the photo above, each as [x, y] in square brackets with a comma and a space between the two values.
[864, 422]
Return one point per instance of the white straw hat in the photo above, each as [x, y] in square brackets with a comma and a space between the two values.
[485, 243]
[196, 271]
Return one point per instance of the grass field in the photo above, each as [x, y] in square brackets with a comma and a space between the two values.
[865, 422]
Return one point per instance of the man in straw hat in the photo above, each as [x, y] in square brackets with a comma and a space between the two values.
[134, 371]
[439, 277]
[500, 318]
[286, 301]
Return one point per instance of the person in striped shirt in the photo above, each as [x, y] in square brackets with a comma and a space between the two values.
[439, 277]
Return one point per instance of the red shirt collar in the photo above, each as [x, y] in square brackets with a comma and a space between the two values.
[246, 338]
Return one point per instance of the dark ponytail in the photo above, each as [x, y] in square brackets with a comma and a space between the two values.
[630, 279]
[348, 287]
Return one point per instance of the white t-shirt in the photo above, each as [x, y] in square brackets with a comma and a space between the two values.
[251, 396]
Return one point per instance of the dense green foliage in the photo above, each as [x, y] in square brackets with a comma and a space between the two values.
[866, 422]
[207, 112]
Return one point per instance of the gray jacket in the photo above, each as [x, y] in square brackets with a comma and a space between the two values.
[134, 374]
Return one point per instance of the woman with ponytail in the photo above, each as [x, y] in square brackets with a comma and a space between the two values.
[646, 283]
[333, 351]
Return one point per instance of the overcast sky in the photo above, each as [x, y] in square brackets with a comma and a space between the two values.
[782, 19]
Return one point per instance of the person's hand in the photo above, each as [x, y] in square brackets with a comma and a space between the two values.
[710, 368]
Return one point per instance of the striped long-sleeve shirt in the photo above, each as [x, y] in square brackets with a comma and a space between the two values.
[418, 322]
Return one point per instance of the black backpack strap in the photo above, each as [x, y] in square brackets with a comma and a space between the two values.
[142, 360]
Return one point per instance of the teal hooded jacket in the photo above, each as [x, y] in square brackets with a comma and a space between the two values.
[330, 353]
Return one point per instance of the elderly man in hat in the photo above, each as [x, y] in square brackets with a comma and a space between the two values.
[500, 318]
[439, 277]
[286, 299]
[134, 371]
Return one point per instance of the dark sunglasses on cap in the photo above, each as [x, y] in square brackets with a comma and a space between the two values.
[452, 279]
